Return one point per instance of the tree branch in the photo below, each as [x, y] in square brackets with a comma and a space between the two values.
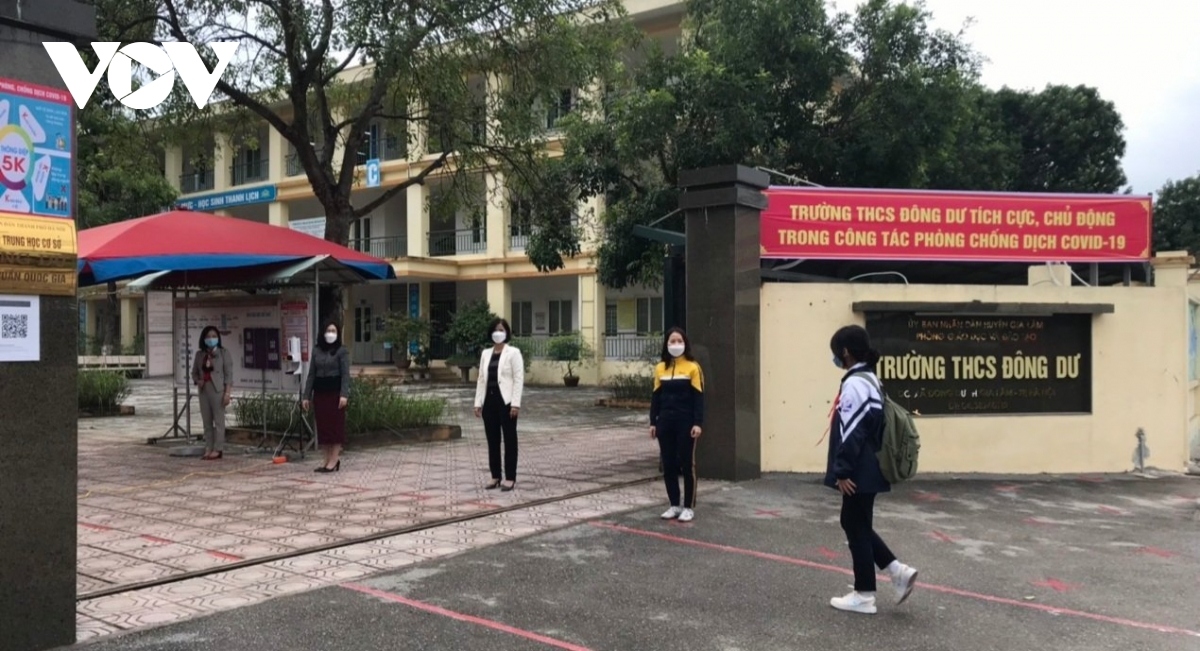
[437, 164]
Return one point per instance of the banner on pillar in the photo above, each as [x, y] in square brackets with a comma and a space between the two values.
[414, 311]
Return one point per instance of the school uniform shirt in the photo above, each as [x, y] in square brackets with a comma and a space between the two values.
[678, 393]
[856, 434]
[510, 376]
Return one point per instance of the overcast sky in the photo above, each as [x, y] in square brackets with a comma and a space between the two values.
[1144, 56]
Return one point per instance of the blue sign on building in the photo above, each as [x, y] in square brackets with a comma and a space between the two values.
[230, 199]
[374, 174]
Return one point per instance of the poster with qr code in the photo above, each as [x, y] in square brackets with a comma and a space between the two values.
[20, 328]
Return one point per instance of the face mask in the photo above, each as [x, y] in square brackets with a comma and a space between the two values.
[330, 337]
[212, 343]
[837, 362]
[498, 336]
[675, 349]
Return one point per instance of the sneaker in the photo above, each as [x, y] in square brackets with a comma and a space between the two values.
[855, 602]
[672, 513]
[904, 580]
[687, 515]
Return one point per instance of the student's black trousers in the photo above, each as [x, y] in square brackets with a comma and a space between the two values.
[866, 547]
[678, 450]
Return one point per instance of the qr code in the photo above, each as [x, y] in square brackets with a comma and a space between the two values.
[14, 326]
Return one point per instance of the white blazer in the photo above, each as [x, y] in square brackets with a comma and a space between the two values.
[511, 372]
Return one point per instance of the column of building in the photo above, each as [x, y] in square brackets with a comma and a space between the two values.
[497, 211]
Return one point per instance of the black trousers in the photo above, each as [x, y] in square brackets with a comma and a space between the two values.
[498, 423]
[867, 549]
[678, 450]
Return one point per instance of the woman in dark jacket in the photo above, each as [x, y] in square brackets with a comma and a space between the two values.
[677, 420]
[327, 391]
[856, 434]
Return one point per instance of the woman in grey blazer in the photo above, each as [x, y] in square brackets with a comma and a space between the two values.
[212, 372]
[327, 393]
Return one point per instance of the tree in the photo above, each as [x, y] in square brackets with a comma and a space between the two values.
[1177, 216]
[119, 173]
[423, 65]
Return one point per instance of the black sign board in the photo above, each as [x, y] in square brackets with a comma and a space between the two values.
[968, 365]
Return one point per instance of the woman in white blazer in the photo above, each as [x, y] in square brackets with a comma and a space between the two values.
[498, 402]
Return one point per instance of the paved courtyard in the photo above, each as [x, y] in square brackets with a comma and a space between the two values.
[145, 516]
[1074, 564]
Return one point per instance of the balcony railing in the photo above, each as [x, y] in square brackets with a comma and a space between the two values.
[387, 248]
[249, 171]
[457, 242]
[386, 148]
[518, 235]
[632, 347]
[195, 181]
[293, 167]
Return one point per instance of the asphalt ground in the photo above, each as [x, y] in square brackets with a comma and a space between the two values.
[1069, 564]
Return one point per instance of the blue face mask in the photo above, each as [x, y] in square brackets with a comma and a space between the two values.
[212, 343]
[837, 362]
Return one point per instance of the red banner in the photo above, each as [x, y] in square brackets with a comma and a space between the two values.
[855, 224]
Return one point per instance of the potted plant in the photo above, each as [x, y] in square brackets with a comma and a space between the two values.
[468, 333]
[401, 332]
[572, 350]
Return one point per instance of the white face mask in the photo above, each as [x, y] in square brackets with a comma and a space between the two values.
[675, 349]
[330, 337]
[498, 336]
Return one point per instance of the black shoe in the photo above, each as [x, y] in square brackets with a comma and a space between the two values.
[492, 486]
[336, 467]
[509, 487]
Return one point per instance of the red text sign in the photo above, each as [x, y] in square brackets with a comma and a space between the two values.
[844, 224]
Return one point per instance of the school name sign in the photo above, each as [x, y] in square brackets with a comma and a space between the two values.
[856, 224]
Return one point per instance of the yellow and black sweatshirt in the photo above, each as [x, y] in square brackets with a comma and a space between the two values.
[678, 393]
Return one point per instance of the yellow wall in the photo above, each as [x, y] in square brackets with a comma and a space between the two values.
[1139, 379]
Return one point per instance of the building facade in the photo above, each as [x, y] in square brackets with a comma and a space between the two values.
[442, 260]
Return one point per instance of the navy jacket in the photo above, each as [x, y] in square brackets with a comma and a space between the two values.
[856, 434]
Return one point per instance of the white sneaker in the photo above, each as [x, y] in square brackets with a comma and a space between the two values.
[904, 580]
[855, 602]
[687, 515]
[672, 513]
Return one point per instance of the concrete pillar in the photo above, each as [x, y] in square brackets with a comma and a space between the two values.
[277, 214]
[129, 326]
[173, 169]
[222, 164]
[424, 299]
[591, 313]
[40, 425]
[497, 208]
[417, 217]
[277, 151]
[418, 136]
[499, 297]
[1171, 268]
[722, 207]
[91, 309]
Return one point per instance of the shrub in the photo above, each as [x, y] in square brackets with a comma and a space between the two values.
[375, 407]
[525, 345]
[468, 330]
[276, 409]
[571, 349]
[630, 386]
[102, 392]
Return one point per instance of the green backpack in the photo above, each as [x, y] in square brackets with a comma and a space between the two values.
[901, 444]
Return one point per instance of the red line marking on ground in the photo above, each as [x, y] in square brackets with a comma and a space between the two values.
[1038, 521]
[470, 619]
[828, 553]
[1055, 585]
[1110, 510]
[942, 537]
[770, 514]
[416, 496]
[156, 539]
[1155, 551]
[223, 556]
[302, 481]
[925, 496]
[1007, 488]
[921, 586]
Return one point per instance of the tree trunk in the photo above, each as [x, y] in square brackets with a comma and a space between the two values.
[331, 304]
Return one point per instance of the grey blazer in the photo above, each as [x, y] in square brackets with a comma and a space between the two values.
[326, 364]
[222, 372]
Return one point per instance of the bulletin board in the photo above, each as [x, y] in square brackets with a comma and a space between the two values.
[254, 330]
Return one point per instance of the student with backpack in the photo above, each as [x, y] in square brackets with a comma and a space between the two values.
[870, 439]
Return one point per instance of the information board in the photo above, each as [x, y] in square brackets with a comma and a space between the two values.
[970, 365]
[160, 327]
[234, 318]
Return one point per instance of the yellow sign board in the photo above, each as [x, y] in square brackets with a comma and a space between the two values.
[37, 255]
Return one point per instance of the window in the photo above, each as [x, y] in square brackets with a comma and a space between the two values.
[522, 318]
[610, 320]
[521, 219]
[561, 317]
[649, 315]
[360, 234]
[562, 106]
[362, 325]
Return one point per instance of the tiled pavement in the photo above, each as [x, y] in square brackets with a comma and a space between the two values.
[144, 515]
